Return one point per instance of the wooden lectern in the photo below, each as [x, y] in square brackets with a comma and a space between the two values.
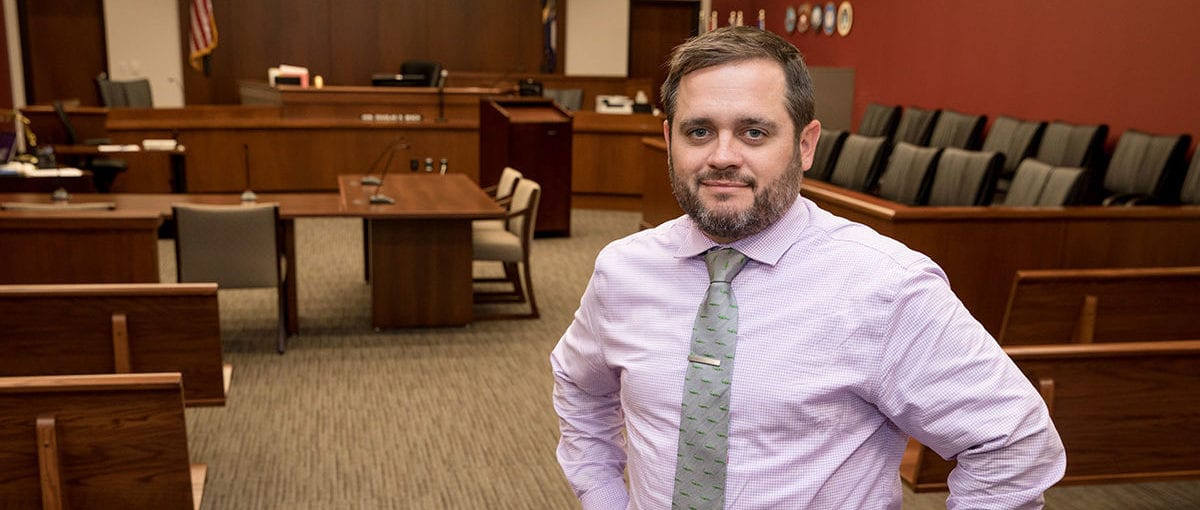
[533, 135]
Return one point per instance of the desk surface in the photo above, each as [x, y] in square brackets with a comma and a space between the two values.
[417, 196]
[291, 205]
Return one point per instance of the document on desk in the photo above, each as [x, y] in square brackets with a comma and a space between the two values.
[55, 172]
[118, 148]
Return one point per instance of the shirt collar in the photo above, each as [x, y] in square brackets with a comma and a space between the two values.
[765, 247]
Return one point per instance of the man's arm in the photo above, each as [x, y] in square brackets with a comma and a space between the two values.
[591, 450]
[946, 382]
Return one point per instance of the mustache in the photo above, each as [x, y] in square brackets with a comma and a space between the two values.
[726, 174]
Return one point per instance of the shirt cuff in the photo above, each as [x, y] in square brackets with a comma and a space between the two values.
[609, 496]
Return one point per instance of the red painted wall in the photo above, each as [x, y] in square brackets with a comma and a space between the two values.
[1127, 64]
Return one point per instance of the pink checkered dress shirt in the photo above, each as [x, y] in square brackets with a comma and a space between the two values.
[848, 344]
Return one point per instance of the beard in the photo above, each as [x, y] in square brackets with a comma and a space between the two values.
[771, 200]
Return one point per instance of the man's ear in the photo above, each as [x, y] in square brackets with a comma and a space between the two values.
[667, 132]
[809, 137]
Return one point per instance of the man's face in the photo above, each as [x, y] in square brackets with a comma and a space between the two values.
[733, 157]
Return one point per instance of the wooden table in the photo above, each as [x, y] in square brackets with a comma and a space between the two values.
[420, 247]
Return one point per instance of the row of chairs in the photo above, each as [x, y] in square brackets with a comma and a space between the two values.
[1040, 164]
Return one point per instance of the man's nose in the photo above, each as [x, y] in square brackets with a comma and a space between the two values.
[726, 153]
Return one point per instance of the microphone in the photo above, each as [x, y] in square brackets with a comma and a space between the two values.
[248, 195]
[441, 85]
[377, 197]
[400, 143]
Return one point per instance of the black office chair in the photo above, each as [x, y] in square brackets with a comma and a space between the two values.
[104, 169]
[431, 71]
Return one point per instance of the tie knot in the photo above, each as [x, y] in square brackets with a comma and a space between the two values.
[724, 264]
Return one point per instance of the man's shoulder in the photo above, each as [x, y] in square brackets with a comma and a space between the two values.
[848, 238]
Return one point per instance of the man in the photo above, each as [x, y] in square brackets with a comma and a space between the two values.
[846, 342]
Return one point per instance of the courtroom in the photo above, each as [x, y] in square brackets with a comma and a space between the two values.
[324, 254]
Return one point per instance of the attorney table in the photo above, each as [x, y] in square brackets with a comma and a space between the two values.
[420, 246]
[429, 226]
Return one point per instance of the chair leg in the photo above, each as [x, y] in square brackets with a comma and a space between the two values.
[533, 309]
[283, 318]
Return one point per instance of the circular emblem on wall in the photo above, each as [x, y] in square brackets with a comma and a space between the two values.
[789, 19]
[829, 18]
[815, 19]
[803, 15]
[845, 18]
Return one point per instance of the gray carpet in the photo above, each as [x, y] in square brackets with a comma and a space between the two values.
[433, 418]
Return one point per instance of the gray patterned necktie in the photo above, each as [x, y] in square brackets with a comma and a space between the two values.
[704, 423]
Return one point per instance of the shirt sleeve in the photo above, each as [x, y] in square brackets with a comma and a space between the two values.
[945, 381]
[591, 450]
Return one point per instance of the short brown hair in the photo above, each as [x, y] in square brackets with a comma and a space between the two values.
[735, 44]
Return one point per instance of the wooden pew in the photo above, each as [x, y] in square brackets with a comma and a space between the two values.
[1102, 305]
[96, 442]
[116, 328]
[1127, 412]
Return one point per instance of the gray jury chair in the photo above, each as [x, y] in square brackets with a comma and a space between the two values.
[502, 193]
[965, 178]
[511, 247]
[909, 173]
[1190, 194]
[859, 163]
[829, 146]
[879, 120]
[1014, 138]
[1146, 169]
[1038, 184]
[1079, 146]
[958, 130]
[236, 246]
[916, 126]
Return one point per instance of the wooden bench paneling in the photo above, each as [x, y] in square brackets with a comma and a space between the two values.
[1102, 305]
[95, 442]
[79, 246]
[1126, 412]
[115, 328]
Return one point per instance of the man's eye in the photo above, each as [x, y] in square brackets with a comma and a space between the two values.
[755, 133]
[698, 133]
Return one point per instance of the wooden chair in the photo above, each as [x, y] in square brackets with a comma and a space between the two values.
[1102, 305]
[96, 442]
[116, 328]
[1126, 412]
[511, 247]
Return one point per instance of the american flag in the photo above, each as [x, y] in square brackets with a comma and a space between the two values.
[204, 34]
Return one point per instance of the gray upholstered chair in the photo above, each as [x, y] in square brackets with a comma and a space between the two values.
[916, 125]
[1066, 144]
[965, 177]
[131, 93]
[236, 246]
[1015, 139]
[859, 163]
[826, 154]
[1190, 194]
[569, 99]
[879, 120]
[1039, 184]
[1146, 169]
[909, 174]
[502, 193]
[958, 130]
[511, 246]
